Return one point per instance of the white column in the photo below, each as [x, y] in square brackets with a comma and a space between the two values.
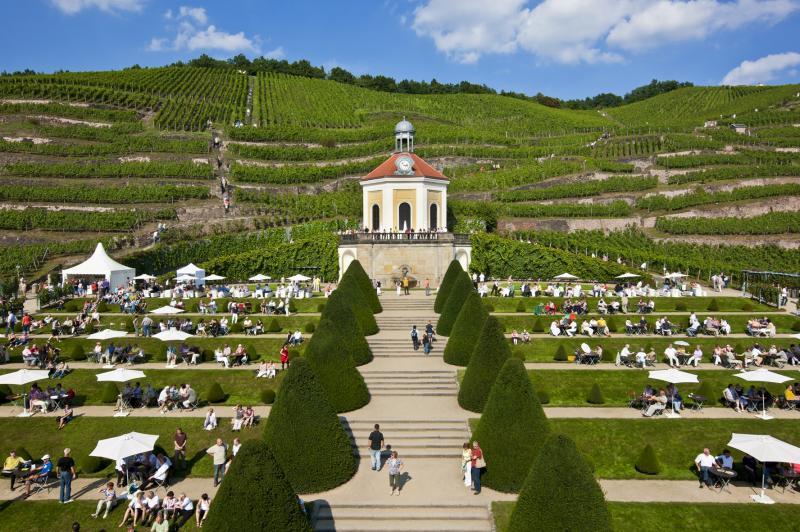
[443, 215]
[366, 221]
[387, 214]
[422, 207]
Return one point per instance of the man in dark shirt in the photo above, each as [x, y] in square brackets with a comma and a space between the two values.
[375, 446]
[66, 472]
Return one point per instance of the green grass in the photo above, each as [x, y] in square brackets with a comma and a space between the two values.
[699, 517]
[544, 349]
[239, 385]
[613, 445]
[39, 436]
[663, 304]
[191, 304]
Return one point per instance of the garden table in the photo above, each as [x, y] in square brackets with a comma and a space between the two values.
[723, 477]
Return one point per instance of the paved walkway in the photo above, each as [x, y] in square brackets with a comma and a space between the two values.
[87, 489]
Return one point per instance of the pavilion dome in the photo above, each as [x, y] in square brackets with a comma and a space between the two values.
[404, 126]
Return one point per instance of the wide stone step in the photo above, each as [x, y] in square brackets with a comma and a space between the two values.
[412, 354]
[402, 525]
[342, 518]
[413, 393]
[421, 453]
[411, 512]
[409, 424]
[403, 383]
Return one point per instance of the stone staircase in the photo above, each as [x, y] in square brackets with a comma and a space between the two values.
[423, 382]
[403, 517]
[416, 438]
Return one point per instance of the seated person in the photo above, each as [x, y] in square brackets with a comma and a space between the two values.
[525, 336]
[696, 357]
[210, 421]
[725, 460]
[172, 357]
[514, 337]
[38, 473]
[65, 417]
[249, 417]
[586, 328]
[555, 330]
[641, 359]
[657, 403]
[108, 499]
[733, 399]
[12, 467]
[790, 396]
[572, 328]
[624, 355]
[160, 475]
[60, 370]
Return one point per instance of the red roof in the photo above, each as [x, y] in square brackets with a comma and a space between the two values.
[389, 169]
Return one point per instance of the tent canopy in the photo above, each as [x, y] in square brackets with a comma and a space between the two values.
[101, 265]
[192, 270]
[260, 277]
[565, 276]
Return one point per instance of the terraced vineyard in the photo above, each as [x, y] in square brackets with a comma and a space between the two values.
[134, 149]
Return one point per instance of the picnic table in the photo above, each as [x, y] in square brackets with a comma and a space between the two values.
[722, 477]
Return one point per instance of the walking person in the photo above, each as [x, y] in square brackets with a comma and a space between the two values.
[466, 465]
[399, 288]
[179, 457]
[66, 472]
[395, 466]
[426, 344]
[405, 286]
[375, 447]
[414, 337]
[427, 286]
[219, 453]
[477, 465]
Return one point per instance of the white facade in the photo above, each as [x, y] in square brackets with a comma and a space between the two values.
[381, 192]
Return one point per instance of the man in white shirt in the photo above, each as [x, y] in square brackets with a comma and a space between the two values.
[624, 355]
[704, 463]
[672, 356]
[160, 476]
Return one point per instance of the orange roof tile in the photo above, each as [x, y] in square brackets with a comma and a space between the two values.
[388, 169]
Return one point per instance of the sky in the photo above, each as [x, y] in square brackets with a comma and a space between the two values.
[562, 48]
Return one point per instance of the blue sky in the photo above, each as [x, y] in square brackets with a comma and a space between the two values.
[564, 48]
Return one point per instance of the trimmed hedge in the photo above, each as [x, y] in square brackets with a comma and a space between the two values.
[465, 331]
[462, 287]
[93, 464]
[358, 302]
[304, 433]
[356, 270]
[447, 283]
[339, 312]
[256, 495]
[215, 393]
[648, 461]
[512, 428]
[490, 353]
[267, 396]
[109, 393]
[274, 326]
[560, 493]
[329, 358]
[595, 395]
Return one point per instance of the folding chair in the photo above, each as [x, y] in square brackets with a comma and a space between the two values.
[698, 401]
[40, 484]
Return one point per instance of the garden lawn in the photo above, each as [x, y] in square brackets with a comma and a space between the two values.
[784, 323]
[544, 349]
[192, 304]
[663, 304]
[703, 517]
[240, 386]
[39, 437]
[612, 446]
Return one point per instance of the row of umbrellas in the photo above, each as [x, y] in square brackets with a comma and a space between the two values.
[215, 277]
[170, 335]
[569, 276]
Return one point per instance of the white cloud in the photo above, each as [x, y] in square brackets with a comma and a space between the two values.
[191, 33]
[71, 7]
[762, 70]
[277, 53]
[582, 31]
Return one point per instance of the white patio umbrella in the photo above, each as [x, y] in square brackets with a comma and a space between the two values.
[120, 375]
[145, 277]
[260, 277]
[166, 310]
[299, 277]
[765, 448]
[214, 277]
[172, 335]
[122, 447]
[106, 334]
[565, 276]
[763, 375]
[676, 275]
[681, 343]
[22, 377]
[627, 276]
[673, 376]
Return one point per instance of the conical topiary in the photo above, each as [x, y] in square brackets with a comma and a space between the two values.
[305, 434]
[538, 326]
[274, 326]
[109, 393]
[520, 306]
[713, 305]
[707, 390]
[511, 429]
[328, 356]
[560, 493]
[447, 283]
[462, 287]
[465, 331]
[561, 353]
[354, 296]
[595, 395]
[490, 353]
[648, 461]
[340, 313]
[215, 394]
[356, 270]
[256, 495]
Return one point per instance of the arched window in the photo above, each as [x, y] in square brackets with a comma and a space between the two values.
[404, 216]
[376, 217]
[433, 216]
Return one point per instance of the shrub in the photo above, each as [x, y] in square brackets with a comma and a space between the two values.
[561, 353]
[304, 433]
[258, 493]
[252, 354]
[595, 395]
[708, 391]
[267, 396]
[207, 355]
[453, 271]
[255, 308]
[748, 307]
[560, 493]
[274, 326]
[738, 348]
[713, 305]
[489, 307]
[521, 306]
[355, 298]
[465, 331]
[490, 353]
[320, 307]
[648, 461]
[796, 326]
[544, 397]
[129, 325]
[215, 394]
[612, 324]
[680, 306]
[93, 464]
[236, 328]
[511, 429]
[102, 307]
[109, 393]
[538, 326]
[89, 329]
[309, 327]
[356, 270]
[462, 287]
[340, 314]
[77, 352]
[332, 363]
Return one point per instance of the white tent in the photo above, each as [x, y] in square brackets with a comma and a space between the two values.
[299, 277]
[101, 265]
[565, 276]
[198, 273]
[260, 277]
[215, 277]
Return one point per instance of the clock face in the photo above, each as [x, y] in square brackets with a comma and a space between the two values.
[405, 166]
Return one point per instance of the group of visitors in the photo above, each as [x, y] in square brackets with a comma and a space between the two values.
[174, 397]
[568, 326]
[427, 340]
[113, 354]
[711, 470]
